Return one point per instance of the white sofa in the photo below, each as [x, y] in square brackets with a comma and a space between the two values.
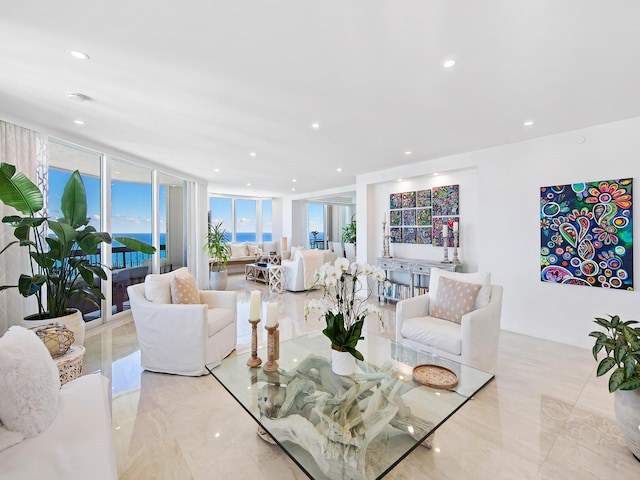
[473, 342]
[182, 338]
[79, 443]
[248, 252]
[294, 270]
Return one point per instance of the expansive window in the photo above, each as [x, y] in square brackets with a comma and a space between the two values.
[316, 225]
[245, 220]
[221, 210]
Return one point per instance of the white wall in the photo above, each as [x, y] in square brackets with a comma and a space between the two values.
[499, 221]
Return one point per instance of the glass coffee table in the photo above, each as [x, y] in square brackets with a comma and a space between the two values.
[356, 427]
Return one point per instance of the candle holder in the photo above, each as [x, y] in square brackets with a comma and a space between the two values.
[455, 247]
[273, 348]
[445, 243]
[254, 361]
[385, 241]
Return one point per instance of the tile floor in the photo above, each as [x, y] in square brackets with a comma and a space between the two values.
[545, 415]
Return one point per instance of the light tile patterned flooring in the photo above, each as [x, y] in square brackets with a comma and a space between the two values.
[545, 415]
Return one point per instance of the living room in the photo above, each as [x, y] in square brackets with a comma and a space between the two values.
[499, 179]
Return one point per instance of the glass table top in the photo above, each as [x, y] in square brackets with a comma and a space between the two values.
[339, 427]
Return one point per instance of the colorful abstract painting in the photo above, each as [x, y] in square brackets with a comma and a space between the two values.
[409, 235]
[409, 200]
[436, 231]
[423, 198]
[395, 235]
[395, 200]
[395, 217]
[423, 235]
[586, 234]
[445, 200]
[423, 216]
[409, 218]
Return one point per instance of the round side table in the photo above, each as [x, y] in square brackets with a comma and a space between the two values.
[276, 278]
[70, 364]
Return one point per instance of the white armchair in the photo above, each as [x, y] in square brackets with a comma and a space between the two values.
[473, 342]
[181, 339]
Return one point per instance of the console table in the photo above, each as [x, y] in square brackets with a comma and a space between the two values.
[406, 278]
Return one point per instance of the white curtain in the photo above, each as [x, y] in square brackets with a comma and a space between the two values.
[27, 150]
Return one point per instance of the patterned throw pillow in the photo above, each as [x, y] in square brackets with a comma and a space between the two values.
[184, 290]
[454, 299]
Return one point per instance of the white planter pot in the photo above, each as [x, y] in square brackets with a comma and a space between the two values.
[73, 322]
[218, 280]
[342, 363]
[627, 406]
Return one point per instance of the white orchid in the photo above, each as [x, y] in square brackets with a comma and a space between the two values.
[342, 264]
[330, 282]
[378, 274]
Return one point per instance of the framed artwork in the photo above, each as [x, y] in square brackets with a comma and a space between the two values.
[586, 234]
[395, 235]
[445, 200]
[423, 216]
[423, 198]
[409, 218]
[409, 200]
[409, 235]
[395, 218]
[423, 235]
[395, 201]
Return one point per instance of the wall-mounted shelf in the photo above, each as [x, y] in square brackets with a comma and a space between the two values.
[406, 278]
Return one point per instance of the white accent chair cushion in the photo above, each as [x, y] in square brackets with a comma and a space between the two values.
[29, 383]
[481, 278]
[473, 342]
[182, 338]
[157, 286]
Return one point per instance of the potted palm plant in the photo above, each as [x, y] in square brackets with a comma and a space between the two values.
[62, 251]
[219, 251]
[621, 343]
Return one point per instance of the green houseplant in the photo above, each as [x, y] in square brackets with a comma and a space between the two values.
[349, 232]
[219, 251]
[343, 310]
[621, 343]
[58, 260]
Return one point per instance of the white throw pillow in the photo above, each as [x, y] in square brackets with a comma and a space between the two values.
[294, 250]
[252, 249]
[269, 247]
[481, 278]
[9, 438]
[157, 286]
[29, 383]
[238, 249]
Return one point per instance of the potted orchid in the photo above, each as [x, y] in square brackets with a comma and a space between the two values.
[344, 309]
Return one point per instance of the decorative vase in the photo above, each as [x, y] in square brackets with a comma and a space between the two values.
[56, 337]
[73, 321]
[342, 363]
[218, 280]
[627, 407]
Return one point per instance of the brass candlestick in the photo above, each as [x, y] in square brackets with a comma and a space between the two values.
[273, 349]
[254, 361]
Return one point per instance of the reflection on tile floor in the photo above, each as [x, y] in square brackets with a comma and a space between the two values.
[545, 416]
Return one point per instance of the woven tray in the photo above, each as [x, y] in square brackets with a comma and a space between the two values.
[435, 376]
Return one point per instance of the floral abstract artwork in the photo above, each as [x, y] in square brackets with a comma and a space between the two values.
[423, 217]
[423, 235]
[409, 235]
[423, 198]
[395, 200]
[395, 235]
[586, 234]
[445, 200]
[409, 218]
[395, 217]
[409, 200]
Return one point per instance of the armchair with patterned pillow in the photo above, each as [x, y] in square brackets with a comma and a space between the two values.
[458, 319]
[181, 328]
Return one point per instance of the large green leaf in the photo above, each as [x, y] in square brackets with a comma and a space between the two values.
[616, 379]
[17, 191]
[630, 384]
[605, 365]
[74, 201]
[136, 245]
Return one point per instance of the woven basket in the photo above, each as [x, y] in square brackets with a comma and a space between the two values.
[56, 337]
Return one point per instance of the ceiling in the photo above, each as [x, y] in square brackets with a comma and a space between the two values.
[199, 85]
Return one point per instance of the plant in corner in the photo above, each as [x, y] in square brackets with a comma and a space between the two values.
[343, 310]
[63, 257]
[621, 343]
[349, 232]
[219, 251]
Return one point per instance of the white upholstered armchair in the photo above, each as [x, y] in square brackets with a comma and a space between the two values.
[182, 338]
[473, 342]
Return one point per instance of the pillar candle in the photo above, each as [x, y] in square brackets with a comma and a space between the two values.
[455, 226]
[254, 305]
[384, 217]
[272, 314]
[445, 230]
[285, 244]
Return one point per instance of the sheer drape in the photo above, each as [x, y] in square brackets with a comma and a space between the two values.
[27, 150]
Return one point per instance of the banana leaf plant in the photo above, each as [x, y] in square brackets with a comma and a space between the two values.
[62, 250]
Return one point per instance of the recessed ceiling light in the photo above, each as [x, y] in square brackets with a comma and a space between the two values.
[338, 169]
[78, 54]
[248, 184]
[216, 170]
[293, 189]
[294, 180]
[117, 173]
[79, 122]
[399, 179]
[408, 152]
[448, 63]
[435, 174]
[528, 123]
[253, 154]
[315, 125]
[77, 97]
